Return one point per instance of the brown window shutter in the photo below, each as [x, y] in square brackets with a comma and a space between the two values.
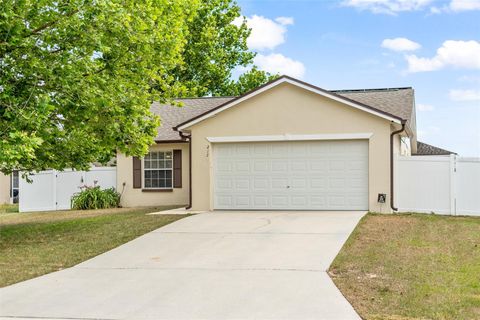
[177, 168]
[137, 172]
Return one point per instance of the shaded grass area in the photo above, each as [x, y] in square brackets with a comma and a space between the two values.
[412, 266]
[8, 208]
[33, 244]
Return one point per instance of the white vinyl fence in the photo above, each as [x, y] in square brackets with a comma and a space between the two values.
[439, 184]
[52, 190]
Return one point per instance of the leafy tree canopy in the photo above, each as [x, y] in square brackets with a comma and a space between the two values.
[77, 77]
[246, 82]
[216, 46]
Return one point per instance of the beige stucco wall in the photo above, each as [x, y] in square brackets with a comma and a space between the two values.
[287, 109]
[136, 197]
[4, 188]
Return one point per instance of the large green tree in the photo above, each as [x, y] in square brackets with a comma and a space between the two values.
[216, 46]
[76, 77]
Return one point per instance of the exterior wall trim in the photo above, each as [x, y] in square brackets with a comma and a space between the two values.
[294, 82]
[291, 137]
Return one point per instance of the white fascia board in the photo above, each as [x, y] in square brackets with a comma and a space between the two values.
[298, 84]
[291, 137]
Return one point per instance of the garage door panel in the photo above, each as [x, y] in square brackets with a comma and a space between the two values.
[224, 200]
[242, 184]
[298, 165]
[261, 184]
[261, 166]
[313, 175]
[242, 150]
[242, 201]
[224, 184]
[225, 167]
[279, 201]
[261, 201]
[242, 166]
[298, 150]
[279, 149]
[279, 166]
[320, 165]
[299, 183]
[318, 183]
[337, 184]
[279, 184]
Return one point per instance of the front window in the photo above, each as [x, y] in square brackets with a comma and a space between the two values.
[157, 168]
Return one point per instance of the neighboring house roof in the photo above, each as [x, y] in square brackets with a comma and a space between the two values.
[390, 102]
[425, 149]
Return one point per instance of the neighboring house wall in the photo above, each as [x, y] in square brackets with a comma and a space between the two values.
[4, 188]
[401, 145]
[287, 109]
[132, 197]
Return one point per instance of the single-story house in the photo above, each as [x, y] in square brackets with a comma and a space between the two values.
[285, 145]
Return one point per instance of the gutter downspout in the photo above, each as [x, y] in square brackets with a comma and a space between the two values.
[189, 138]
[391, 164]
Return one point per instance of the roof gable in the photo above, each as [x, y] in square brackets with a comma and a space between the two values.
[285, 79]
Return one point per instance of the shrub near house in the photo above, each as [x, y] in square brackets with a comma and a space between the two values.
[95, 198]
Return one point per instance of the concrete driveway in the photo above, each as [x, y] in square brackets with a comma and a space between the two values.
[215, 265]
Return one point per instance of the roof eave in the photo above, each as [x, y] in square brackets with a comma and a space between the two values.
[299, 83]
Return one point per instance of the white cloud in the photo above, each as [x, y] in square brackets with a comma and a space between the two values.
[266, 33]
[285, 21]
[436, 10]
[400, 44]
[470, 79]
[425, 133]
[387, 6]
[425, 107]
[464, 95]
[464, 5]
[459, 54]
[278, 63]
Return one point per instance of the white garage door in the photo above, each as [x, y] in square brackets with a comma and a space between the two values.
[306, 175]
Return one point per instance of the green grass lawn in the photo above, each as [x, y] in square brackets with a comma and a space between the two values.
[412, 266]
[8, 208]
[32, 244]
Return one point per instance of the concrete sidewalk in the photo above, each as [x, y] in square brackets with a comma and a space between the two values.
[216, 265]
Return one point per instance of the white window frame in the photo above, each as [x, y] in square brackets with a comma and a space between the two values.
[157, 169]
[12, 188]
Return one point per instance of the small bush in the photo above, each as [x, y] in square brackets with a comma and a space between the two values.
[95, 198]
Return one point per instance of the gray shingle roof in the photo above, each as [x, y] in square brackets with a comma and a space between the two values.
[173, 115]
[395, 101]
[425, 149]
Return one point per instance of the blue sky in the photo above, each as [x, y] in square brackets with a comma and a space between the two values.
[432, 46]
